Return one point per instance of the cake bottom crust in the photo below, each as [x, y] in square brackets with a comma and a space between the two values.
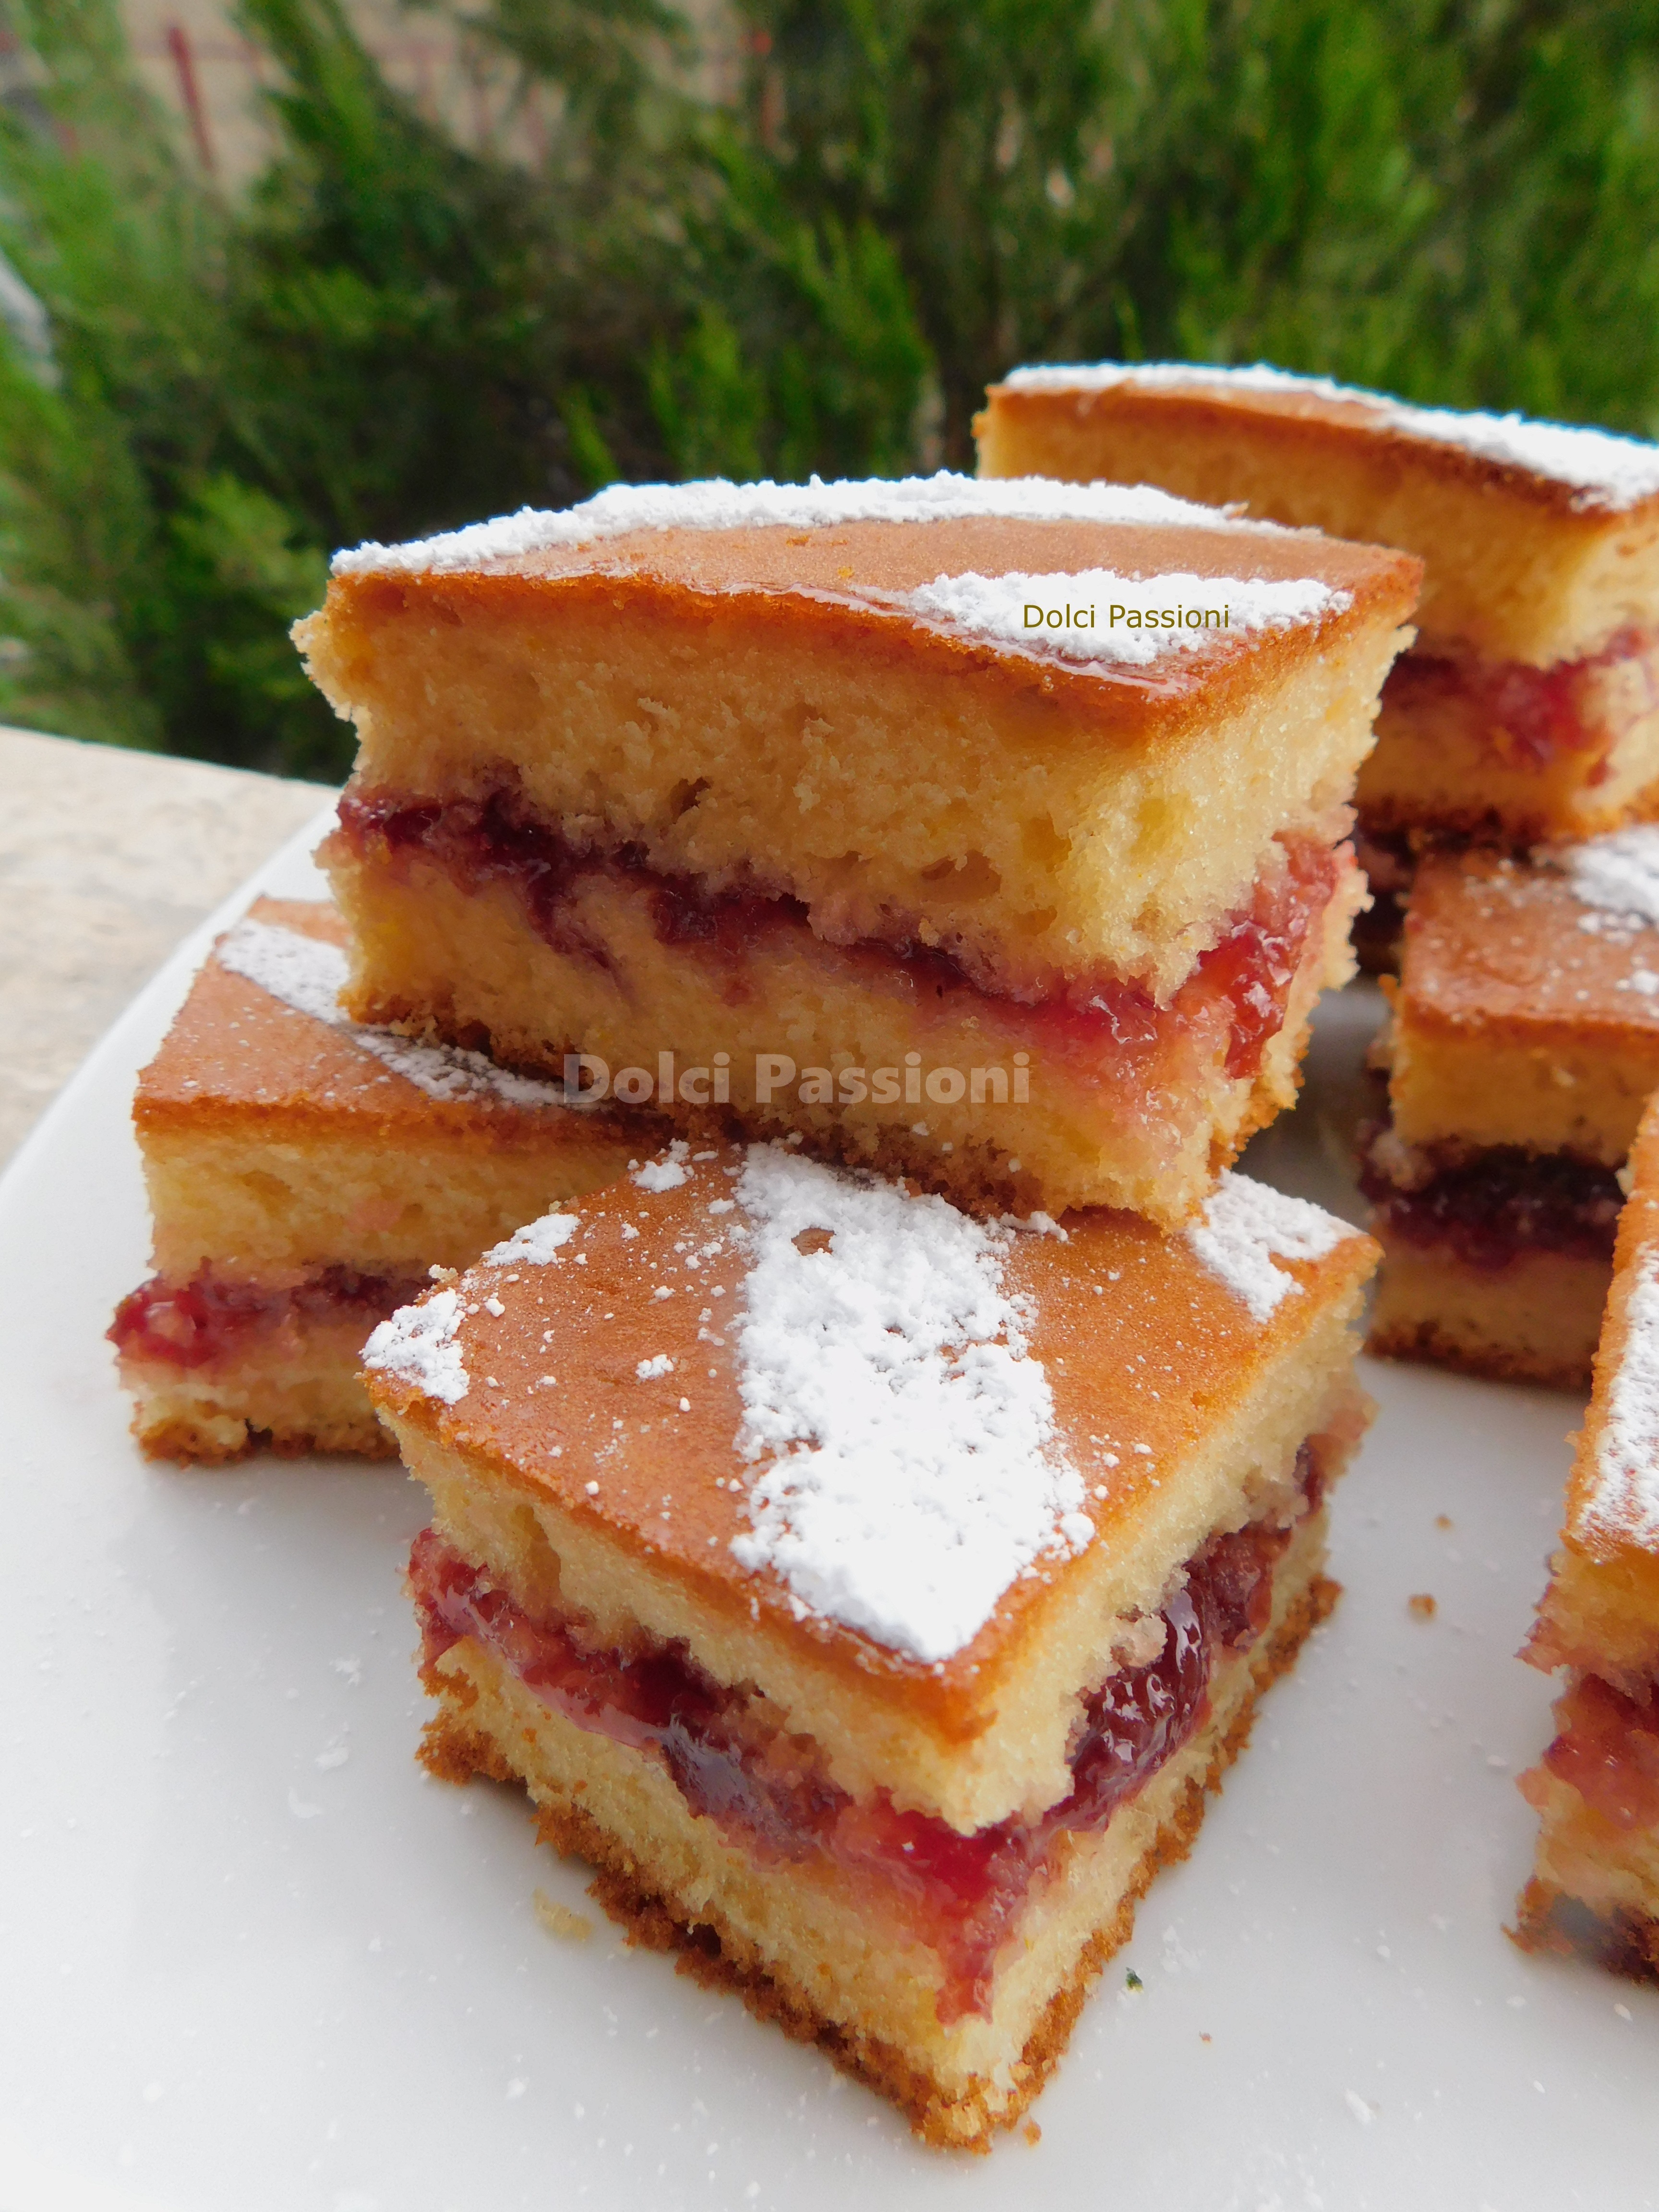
[1595, 1889]
[1537, 1319]
[717, 1954]
[1624, 1942]
[289, 1398]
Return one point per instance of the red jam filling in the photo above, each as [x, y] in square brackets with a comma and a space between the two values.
[767, 1792]
[212, 1318]
[1607, 1748]
[1533, 714]
[1490, 1209]
[1248, 974]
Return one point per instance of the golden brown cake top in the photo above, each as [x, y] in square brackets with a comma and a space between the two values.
[261, 1031]
[1601, 1610]
[1613, 1500]
[819, 1399]
[1563, 947]
[1559, 465]
[1097, 584]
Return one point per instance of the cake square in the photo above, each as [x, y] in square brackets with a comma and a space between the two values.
[1596, 1886]
[872, 1592]
[1528, 707]
[1524, 1042]
[992, 833]
[304, 1175]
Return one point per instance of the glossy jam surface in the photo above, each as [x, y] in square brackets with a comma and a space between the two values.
[1489, 1210]
[212, 1318]
[769, 1793]
[1533, 714]
[1245, 978]
[1607, 1748]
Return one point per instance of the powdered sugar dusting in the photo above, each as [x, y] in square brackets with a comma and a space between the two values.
[815, 505]
[1623, 1501]
[665, 1174]
[1123, 618]
[417, 1344]
[308, 974]
[1607, 472]
[301, 971]
[1617, 873]
[1247, 1224]
[913, 1465]
[536, 1244]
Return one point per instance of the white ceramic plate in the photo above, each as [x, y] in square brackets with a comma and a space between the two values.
[253, 1960]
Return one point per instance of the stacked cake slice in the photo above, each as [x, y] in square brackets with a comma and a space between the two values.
[872, 1592]
[1529, 707]
[304, 1175]
[1524, 1044]
[990, 833]
[1596, 1883]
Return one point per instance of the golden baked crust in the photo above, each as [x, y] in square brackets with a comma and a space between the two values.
[1287, 422]
[1513, 1022]
[826, 584]
[1518, 567]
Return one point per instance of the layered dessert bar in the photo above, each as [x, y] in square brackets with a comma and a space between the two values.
[991, 833]
[1596, 1886]
[304, 1175]
[1524, 1044]
[870, 1592]
[1528, 707]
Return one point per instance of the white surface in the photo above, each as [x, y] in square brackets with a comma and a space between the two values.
[244, 1975]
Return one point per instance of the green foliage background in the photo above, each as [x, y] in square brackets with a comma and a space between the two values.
[391, 333]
